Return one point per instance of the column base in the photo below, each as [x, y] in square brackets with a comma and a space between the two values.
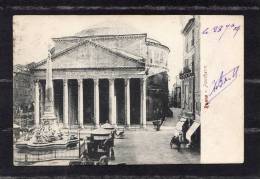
[48, 116]
[65, 126]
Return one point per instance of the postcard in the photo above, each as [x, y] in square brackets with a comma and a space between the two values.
[128, 89]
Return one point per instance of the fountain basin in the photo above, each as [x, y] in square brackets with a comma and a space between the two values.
[60, 144]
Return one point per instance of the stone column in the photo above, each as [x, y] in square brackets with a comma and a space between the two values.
[49, 114]
[96, 102]
[37, 104]
[65, 103]
[143, 102]
[41, 98]
[112, 105]
[127, 101]
[80, 102]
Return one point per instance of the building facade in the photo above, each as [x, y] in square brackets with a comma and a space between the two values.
[23, 88]
[104, 75]
[189, 124]
[190, 74]
[23, 95]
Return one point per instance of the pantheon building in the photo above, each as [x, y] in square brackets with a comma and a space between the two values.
[104, 74]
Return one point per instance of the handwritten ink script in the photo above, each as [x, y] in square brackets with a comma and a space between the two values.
[222, 82]
[222, 29]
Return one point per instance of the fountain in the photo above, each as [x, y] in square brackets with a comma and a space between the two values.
[48, 134]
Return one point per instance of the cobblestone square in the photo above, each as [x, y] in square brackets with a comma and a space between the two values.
[149, 146]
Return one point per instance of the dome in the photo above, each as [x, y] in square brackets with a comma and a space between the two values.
[108, 28]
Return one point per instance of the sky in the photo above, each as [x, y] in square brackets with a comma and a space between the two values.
[32, 34]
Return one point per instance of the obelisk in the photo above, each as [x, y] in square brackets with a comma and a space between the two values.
[49, 115]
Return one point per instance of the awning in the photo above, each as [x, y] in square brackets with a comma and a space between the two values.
[192, 130]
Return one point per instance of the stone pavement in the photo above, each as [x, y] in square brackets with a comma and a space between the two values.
[151, 147]
[148, 146]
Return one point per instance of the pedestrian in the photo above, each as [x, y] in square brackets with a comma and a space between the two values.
[178, 143]
[163, 115]
[175, 141]
[158, 116]
[84, 158]
[161, 118]
[112, 157]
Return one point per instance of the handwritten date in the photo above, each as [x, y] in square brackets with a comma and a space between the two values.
[222, 29]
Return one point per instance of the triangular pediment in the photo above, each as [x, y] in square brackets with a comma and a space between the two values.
[91, 55]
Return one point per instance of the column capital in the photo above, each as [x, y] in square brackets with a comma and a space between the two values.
[65, 81]
[96, 80]
[143, 80]
[111, 81]
[80, 80]
[127, 80]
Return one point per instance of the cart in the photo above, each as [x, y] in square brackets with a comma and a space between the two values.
[100, 143]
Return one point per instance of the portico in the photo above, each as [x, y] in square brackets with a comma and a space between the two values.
[102, 78]
[83, 95]
[83, 98]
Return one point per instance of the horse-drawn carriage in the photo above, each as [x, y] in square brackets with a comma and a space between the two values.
[101, 143]
[100, 146]
[99, 150]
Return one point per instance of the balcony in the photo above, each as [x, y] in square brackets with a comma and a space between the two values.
[186, 73]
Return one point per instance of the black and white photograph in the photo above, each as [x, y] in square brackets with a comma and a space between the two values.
[116, 89]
